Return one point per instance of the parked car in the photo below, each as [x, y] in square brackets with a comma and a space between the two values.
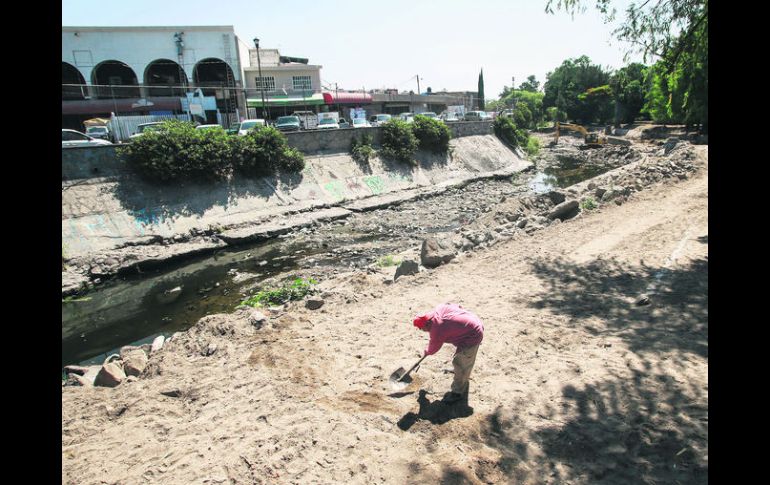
[247, 125]
[408, 117]
[209, 127]
[328, 124]
[429, 114]
[447, 117]
[477, 116]
[343, 123]
[377, 120]
[307, 119]
[72, 138]
[100, 132]
[287, 123]
[144, 128]
[360, 123]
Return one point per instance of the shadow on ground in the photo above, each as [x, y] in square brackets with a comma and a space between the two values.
[435, 412]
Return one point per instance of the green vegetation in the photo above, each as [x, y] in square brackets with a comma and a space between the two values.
[532, 147]
[432, 134]
[296, 290]
[177, 151]
[588, 204]
[398, 141]
[361, 150]
[506, 129]
[481, 89]
[387, 261]
[75, 299]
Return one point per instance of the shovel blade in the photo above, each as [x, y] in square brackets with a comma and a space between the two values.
[396, 383]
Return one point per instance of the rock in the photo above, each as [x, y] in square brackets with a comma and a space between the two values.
[522, 223]
[600, 191]
[434, 253]
[77, 380]
[556, 197]
[75, 369]
[135, 362]
[111, 358]
[127, 349]
[609, 195]
[314, 302]
[157, 344]
[110, 375]
[592, 186]
[257, 318]
[407, 267]
[670, 145]
[513, 216]
[565, 210]
[210, 349]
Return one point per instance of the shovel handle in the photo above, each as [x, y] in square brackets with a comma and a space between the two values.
[410, 370]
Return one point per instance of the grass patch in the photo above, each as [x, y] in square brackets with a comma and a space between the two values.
[296, 290]
[387, 261]
[588, 204]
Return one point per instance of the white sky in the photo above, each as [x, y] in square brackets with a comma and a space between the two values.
[384, 44]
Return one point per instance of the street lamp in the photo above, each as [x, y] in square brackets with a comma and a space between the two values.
[261, 81]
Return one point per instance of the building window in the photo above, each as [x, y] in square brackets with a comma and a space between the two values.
[301, 82]
[266, 83]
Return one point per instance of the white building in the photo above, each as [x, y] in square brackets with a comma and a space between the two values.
[141, 70]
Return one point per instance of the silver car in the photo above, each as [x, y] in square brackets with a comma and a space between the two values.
[72, 138]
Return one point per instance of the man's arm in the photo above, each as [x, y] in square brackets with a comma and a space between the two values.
[436, 341]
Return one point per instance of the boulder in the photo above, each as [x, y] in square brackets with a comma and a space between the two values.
[157, 344]
[110, 375]
[134, 362]
[407, 267]
[556, 197]
[257, 318]
[434, 253]
[314, 302]
[565, 210]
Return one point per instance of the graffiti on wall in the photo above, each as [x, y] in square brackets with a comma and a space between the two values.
[335, 188]
[375, 184]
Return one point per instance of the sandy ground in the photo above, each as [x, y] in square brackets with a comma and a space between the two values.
[574, 383]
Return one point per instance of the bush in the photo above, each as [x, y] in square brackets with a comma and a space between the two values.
[362, 150]
[178, 151]
[398, 140]
[264, 151]
[506, 130]
[296, 290]
[533, 146]
[432, 135]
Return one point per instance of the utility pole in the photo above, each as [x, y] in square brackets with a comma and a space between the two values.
[261, 82]
[418, 84]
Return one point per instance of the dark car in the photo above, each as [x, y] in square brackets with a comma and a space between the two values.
[288, 123]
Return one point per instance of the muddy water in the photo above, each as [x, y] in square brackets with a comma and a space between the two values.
[136, 309]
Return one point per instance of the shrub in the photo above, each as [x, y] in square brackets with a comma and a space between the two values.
[432, 135]
[177, 150]
[533, 146]
[296, 290]
[507, 130]
[588, 204]
[362, 150]
[398, 140]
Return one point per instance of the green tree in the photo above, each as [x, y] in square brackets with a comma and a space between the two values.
[531, 84]
[481, 90]
[676, 31]
[533, 102]
[628, 91]
[565, 85]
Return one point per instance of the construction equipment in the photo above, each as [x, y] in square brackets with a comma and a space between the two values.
[399, 379]
[591, 140]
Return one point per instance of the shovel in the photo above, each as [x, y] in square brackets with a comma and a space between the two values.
[399, 380]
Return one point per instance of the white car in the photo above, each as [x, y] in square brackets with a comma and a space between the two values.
[408, 117]
[429, 114]
[247, 125]
[327, 124]
[360, 123]
[448, 117]
[144, 128]
[377, 120]
[209, 127]
[72, 138]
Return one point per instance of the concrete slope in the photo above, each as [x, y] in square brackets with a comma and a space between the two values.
[108, 213]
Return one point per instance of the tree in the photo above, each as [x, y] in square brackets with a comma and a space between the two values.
[531, 84]
[532, 101]
[628, 91]
[481, 90]
[676, 31]
[565, 85]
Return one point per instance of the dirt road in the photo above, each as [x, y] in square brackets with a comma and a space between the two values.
[574, 382]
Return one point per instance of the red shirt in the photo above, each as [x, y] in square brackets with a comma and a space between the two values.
[453, 324]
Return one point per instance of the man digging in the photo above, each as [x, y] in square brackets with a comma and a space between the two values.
[453, 324]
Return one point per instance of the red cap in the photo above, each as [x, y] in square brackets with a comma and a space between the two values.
[420, 321]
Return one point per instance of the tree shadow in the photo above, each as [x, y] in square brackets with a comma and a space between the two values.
[676, 318]
[436, 412]
[648, 429]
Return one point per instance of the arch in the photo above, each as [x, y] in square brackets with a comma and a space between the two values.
[167, 73]
[211, 73]
[71, 75]
[115, 73]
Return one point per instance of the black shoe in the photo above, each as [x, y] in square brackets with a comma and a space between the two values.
[452, 397]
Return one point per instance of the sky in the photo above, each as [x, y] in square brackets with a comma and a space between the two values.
[365, 44]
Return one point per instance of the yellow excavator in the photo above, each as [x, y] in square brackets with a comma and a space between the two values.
[591, 140]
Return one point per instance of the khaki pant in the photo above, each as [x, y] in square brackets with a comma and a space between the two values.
[463, 365]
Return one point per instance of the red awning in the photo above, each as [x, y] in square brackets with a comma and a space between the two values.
[126, 105]
[347, 98]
